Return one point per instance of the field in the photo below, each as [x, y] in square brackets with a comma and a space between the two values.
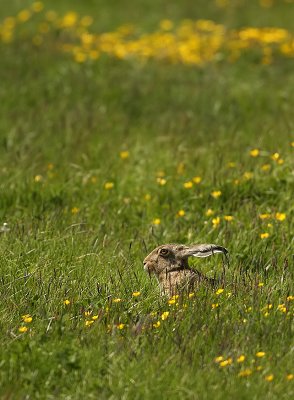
[125, 125]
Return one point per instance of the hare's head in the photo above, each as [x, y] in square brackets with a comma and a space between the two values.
[174, 257]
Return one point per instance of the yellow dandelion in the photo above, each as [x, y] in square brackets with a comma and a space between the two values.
[124, 155]
[248, 175]
[245, 372]
[38, 178]
[282, 308]
[24, 15]
[231, 164]
[216, 194]
[290, 298]
[197, 179]
[120, 326]
[269, 225]
[161, 181]
[164, 315]
[156, 324]
[181, 213]
[188, 185]
[265, 167]
[280, 161]
[241, 358]
[260, 284]
[87, 313]
[254, 153]
[275, 156]
[292, 144]
[264, 216]
[108, 185]
[75, 210]
[214, 306]
[23, 329]
[117, 300]
[37, 6]
[269, 377]
[191, 295]
[95, 317]
[172, 301]
[227, 362]
[260, 354]
[290, 377]
[89, 323]
[136, 294]
[280, 216]
[219, 291]
[27, 318]
[264, 235]
[228, 218]
[215, 221]
[209, 212]
[66, 302]
[218, 359]
[156, 221]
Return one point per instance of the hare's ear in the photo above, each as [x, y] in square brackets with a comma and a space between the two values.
[204, 250]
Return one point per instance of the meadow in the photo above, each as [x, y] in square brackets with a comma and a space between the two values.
[125, 125]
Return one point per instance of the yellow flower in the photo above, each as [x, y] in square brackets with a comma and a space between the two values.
[136, 294]
[275, 156]
[260, 284]
[164, 315]
[216, 221]
[181, 213]
[245, 372]
[218, 359]
[120, 326]
[280, 161]
[22, 329]
[124, 155]
[75, 210]
[214, 305]
[24, 15]
[37, 6]
[248, 175]
[290, 298]
[282, 308]
[94, 317]
[108, 185]
[241, 358]
[216, 193]
[191, 295]
[188, 185]
[66, 302]
[292, 144]
[269, 378]
[209, 212]
[280, 216]
[161, 181]
[260, 354]
[264, 216]
[156, 221]
[254, 153]
[27, 318]
[87, 313]
[89, 323]
[231, 164]
[156, 324]
[166, 25]
[265, 167]
[197, 180]
[228, 218]
[172, 301]
[264, 235]
[118, 300]
[38, 178]
[219, 291]
[290, 377]
[225, 363]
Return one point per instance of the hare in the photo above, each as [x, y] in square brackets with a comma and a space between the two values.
[169, 263]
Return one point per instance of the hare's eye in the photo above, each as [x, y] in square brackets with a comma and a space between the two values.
[163, 252]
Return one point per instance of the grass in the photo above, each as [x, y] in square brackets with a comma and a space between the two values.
[63, 126]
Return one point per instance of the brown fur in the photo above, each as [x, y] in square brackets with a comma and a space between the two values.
[169, 263]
